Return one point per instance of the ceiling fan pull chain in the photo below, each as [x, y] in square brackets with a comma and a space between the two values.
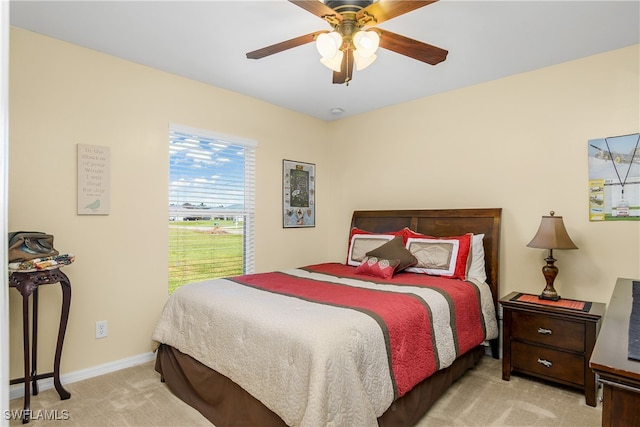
[346, 75]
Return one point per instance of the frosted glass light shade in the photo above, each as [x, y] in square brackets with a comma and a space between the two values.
[328, 44]
[334, 63]
[366, 43]
[363, 62]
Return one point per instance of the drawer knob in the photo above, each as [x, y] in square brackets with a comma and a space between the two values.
[544, 362]
[545, 331]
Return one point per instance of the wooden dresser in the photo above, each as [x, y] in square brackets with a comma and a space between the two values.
[619, 375]
[551, 343]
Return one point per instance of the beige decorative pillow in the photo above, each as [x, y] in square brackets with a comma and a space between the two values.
[363, 243]
[434, 255]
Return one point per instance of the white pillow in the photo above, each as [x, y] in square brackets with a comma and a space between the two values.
[476, 269]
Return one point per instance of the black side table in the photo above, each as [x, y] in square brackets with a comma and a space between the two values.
[27, 283]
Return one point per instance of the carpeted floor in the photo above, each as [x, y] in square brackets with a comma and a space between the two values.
[136, 397]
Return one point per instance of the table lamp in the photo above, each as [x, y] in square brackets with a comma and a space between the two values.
[551, 235]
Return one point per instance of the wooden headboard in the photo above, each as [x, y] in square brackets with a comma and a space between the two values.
[443, 223]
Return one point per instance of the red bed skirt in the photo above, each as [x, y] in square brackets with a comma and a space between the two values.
[225, 403]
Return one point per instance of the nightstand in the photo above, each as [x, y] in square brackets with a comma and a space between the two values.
[549, 340]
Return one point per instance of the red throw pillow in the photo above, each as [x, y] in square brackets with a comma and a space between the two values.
[409, 233]
[378, 267]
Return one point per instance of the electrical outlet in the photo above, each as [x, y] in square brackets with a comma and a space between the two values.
[101, 329]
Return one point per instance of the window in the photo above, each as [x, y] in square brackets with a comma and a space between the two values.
[211, 206]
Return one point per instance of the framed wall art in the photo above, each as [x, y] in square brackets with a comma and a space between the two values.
[614, 178]
[298, 194]
[94, 186]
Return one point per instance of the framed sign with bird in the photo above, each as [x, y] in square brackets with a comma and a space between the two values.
[94, 187]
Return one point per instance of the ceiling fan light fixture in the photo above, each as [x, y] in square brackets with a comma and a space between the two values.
[363, 62]
[353, 32]
[328, 44]
[366, 43]
[334, 63]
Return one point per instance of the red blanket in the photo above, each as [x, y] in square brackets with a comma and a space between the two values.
[404, 318]
[463, 297]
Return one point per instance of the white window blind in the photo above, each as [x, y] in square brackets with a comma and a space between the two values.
[211, 205]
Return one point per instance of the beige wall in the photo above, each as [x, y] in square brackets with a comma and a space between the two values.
[62, 95]
[518, 143]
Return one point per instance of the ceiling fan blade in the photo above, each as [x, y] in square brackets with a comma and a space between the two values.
[287, 44]
[317, 8]
[384, 10]
[409, 47]
[346, 70]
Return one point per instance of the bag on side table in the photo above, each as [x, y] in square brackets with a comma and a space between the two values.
[27, 245]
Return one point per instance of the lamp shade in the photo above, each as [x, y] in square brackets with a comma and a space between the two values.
[552, 234]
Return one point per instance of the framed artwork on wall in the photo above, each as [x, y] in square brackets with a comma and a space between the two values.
[614, 178]
[298, 194]
[93, 173]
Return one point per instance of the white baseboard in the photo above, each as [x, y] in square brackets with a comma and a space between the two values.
[17, 390]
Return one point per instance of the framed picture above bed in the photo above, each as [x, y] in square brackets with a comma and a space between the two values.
[298, 194]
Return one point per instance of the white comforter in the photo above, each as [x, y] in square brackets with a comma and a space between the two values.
[312, 364]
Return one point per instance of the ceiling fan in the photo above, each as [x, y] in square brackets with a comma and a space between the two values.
[353, 38]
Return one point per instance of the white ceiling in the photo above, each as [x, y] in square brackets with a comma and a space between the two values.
[207, 41]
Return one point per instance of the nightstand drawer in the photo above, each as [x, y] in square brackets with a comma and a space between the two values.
[547, 330]
[548, 362]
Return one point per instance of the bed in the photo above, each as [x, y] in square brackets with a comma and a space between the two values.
[329, 344]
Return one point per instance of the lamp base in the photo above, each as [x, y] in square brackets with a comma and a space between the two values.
[549, 297]
[550, 271]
